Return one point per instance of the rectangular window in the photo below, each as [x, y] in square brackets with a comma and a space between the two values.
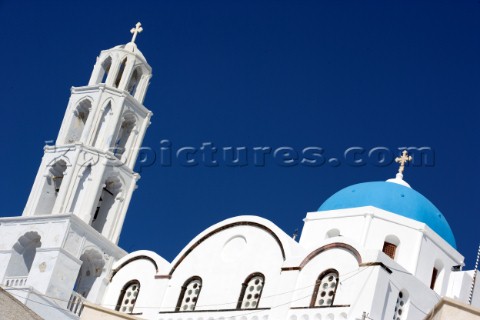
[389, 249]
[434, 278]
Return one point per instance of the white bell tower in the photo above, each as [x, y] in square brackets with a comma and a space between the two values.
[61, 250]
[88, 172]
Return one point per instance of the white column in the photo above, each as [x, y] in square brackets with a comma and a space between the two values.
[92, 115]
[94, 190]
[133, 152]
[142, 88]
[127, 73]
[366, 228]
[67, 186]
[116, 229]
[94, 78]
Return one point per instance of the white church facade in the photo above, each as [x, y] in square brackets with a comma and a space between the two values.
[374, 250]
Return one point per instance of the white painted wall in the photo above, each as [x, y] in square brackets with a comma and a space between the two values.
[224, 256]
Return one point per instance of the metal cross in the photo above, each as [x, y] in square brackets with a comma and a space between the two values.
[402, 160]
[138, 28]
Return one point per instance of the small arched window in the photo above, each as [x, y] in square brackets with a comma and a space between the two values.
[128, 297]
[80, 116]
[400, 305]
[251, 291]
[51, 187]
[390, 246]
[21, 260]
[325, 289]
[134, 80]
[189, 294]
[120, 73]
[91, 269]
[124, 135]
[106, 202]
[389, 249]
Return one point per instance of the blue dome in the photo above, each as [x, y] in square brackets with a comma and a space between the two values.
[395, 198]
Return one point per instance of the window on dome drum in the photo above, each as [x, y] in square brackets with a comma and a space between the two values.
[325, 289]
[434, 278]
[128, 297]
[251, 291]
[400, 306]
[389, 249]
[189, 294]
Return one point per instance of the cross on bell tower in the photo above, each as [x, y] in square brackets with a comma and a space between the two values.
[75, 212]
[134, 31]
[89, 171]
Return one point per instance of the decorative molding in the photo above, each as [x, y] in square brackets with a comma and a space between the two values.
[323, 307]
[291, 269]
[114, 271]
[225, 227]
[313, 254]
[372, 264]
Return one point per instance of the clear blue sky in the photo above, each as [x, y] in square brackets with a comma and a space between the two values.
[332, 74]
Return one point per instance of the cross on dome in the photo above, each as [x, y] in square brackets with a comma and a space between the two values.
[402, 160]
[138, 29]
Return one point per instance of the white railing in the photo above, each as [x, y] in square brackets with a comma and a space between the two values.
[15, 282]
[75, 304]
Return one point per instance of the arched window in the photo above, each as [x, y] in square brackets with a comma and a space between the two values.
[400, 305]
[134, 80]
[390, 246]
[124, 135]
[251, 291]
[325, 289]
[105, 70]
[80, 116]
[91, 269]
[51, 187]
[21, 260]
[106, 202]
[120, 73]
[128, 297]
[189, 294]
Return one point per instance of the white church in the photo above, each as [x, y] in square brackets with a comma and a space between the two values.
[374, 250]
